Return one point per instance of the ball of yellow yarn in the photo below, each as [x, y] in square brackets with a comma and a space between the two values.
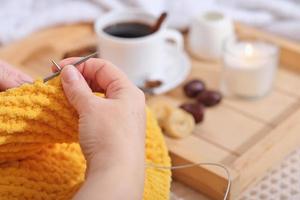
[39, 153]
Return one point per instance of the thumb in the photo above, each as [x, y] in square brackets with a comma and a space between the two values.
[76, 88]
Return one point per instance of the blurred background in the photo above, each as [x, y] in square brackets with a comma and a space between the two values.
[19, 18]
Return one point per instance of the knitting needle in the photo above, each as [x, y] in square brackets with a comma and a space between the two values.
[56, 65]
[82, 60]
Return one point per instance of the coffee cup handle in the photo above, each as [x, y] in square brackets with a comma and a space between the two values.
[173, 37]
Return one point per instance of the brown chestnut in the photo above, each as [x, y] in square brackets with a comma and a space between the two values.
[195, 109]
[193, 88]
[209, 98]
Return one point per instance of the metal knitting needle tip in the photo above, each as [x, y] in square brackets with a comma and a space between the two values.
[56, 65]
[82, 60]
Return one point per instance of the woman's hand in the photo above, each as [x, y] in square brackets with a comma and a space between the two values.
[111, 129]
[11, 77]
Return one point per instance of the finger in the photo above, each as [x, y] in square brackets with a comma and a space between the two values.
[113, 81]
[76, 89]
[65, 62]
[85, 70]
[104, 75]
[68, 61]
[11, 77]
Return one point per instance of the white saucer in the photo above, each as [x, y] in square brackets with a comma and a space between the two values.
[175, 68]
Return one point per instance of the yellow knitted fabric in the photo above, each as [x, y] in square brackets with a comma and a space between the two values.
[39, 154]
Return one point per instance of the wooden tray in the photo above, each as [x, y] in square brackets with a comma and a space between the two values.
[248, 137]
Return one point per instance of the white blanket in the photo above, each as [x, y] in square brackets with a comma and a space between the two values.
[20, 18]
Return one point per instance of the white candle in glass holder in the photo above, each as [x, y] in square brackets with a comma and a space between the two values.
[249, 68]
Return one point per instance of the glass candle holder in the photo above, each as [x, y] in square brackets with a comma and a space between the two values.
[249, 68]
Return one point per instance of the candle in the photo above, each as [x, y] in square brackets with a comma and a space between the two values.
[249, 68]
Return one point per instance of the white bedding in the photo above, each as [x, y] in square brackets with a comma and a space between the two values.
[20, 18]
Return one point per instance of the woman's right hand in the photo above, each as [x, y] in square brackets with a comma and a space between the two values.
[111, 129]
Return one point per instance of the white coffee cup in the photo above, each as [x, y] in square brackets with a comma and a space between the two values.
[207, 35]
[141, 57]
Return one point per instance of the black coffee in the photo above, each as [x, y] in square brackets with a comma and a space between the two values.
[128, 30]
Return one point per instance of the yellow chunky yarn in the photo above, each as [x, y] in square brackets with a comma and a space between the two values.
[39, 154]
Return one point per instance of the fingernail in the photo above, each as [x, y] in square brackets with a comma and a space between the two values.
[70, 74]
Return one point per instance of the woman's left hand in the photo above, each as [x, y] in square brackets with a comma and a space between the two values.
[10, 77]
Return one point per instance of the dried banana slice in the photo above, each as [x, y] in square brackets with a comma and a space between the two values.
[161, 107]
[179, 124]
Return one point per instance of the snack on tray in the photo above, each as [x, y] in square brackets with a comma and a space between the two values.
[161, 108]
[174, 121]
[179, 124]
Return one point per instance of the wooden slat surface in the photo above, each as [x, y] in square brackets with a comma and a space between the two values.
[265, 110]
[198, 150]
[275, 146]
[288, 82]
[32, 54]
[234, 134]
